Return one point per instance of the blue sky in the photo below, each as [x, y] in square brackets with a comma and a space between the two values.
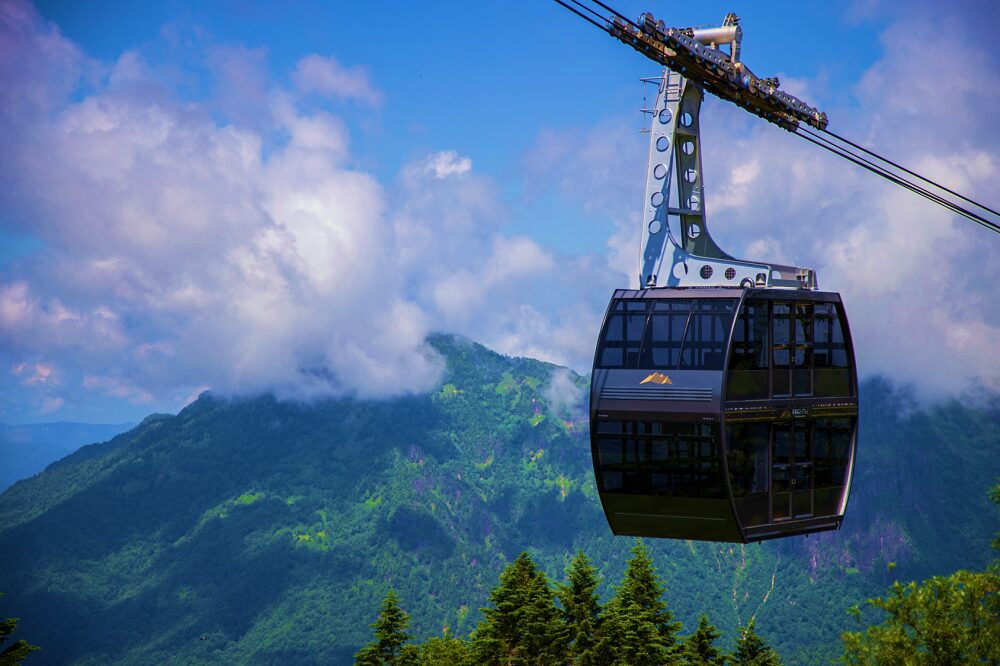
[478, 78]
[250, 197]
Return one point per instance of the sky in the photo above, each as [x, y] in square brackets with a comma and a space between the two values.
[289, 197]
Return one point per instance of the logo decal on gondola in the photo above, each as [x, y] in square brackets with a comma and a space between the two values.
[657, 378]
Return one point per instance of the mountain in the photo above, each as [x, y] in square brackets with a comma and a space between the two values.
[26, 449]
[262, 531]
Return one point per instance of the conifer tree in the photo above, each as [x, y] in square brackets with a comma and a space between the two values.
[389, 647]
[16, 651]
[524, 626]
[699, 648]
[944, 620]
[752, 650]
[444, 650]
[581, 608]
[638, 628]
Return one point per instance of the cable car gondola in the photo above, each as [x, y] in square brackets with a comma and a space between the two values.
[723, 414]
[724, 395]
[723, 400]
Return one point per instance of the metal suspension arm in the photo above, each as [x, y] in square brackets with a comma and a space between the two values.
[692, 53]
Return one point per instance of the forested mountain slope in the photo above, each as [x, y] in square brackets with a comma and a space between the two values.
[256, 530]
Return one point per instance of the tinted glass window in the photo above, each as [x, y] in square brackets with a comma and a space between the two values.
[704, 343]
[838, 349]
[659, 458]
[666, 334]
[747, 444]
[830, 350]
[662, 345]
[824, 315]
[622, 335]
[750, 337]
[831, 451]
[748, 361]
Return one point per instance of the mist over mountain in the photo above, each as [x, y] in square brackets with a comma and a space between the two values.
[267, 531]
[26, 449]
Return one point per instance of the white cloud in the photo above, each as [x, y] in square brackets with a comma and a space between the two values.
[917, 281]
[448, 163]
[182, 253]
[326, 76]
[564, 397]
[912, 275]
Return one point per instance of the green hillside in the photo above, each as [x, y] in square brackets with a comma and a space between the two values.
[269, 532]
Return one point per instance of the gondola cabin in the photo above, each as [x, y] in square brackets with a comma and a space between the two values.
[723, 414]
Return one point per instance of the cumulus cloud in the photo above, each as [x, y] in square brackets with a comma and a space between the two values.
[448, 163]
[177, 253]
[181, 253]
[906, 268]
[326, 76]
[915, 279]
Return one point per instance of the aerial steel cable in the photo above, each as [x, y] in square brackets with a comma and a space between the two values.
[616, 13]
[912, 173]
[899, 180]
[677, 49]
[583, 16]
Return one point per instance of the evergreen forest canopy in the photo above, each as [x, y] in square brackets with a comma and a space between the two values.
[524, 626]
[263, 531]
[945, 620]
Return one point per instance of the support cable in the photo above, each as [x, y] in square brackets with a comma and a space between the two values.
[902, 182]
[619, 15]
[898, 180]
[912, 173]
[584, 16]
[591, 10]
[827, 144]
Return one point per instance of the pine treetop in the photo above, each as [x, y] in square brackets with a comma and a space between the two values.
[524, 626]
[752, 650]
[581, 604]
[389, 646]
[699, 648]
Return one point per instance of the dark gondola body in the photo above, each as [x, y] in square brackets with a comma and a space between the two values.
[724, 414]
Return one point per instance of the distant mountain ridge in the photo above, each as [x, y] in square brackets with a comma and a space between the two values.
[273, 529]
[27, 449]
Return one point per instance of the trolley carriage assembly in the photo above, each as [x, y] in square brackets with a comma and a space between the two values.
[724, 394]
[723, 399]
[723, 414]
